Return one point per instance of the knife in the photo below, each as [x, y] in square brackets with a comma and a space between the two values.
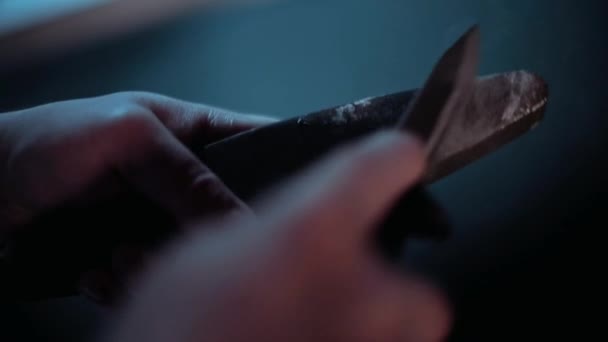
[46, 263]
[447, 90]
[444, 94]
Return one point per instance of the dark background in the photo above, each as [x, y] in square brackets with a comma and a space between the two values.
[524, 259]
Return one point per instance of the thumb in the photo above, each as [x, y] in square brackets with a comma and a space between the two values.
[340, 200]
[166, 171]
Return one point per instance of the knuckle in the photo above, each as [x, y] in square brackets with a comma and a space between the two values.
[135, 121]
[208, 183]
[217, 118]
[208, 191]
[135, 96]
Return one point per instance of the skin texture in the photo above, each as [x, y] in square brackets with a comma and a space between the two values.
[303, 268]
[88, 149]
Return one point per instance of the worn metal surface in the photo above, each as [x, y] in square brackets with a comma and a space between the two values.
[440, 101]
[501, 108]
[448, 87]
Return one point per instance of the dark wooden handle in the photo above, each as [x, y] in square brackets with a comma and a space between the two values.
[250, 162]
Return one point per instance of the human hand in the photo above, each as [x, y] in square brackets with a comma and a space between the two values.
[91, 150]
[305, 270]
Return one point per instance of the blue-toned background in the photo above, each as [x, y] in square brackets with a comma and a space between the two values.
[526, 218]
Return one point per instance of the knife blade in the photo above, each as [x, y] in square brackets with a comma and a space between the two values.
[442, 98]
[42, 262]
[448, 87]
[502, 107]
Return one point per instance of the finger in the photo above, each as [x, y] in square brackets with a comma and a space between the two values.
[165, 171]
[405, 310]
[346, 194]
[197, 124]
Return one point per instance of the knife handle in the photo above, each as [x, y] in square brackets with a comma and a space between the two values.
[250, 162]
[41, 262]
